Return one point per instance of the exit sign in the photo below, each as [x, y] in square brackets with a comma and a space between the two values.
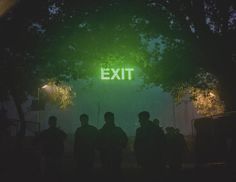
[117, 73]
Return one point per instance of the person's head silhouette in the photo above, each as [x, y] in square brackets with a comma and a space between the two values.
[109, 118]
[156, 122]
[84, 119]
[52, 121]
[177, 131]
[170, 130]
[143, 117]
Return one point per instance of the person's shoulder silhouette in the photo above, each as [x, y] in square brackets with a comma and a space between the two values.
[148, 146]
[146, 126]
[84, 146]
[112, 134]
[52, 139]
[111, 141]
[85, 130]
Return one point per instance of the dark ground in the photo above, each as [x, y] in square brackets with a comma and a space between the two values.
[25, 166]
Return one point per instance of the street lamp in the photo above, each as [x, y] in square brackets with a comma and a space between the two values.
[45, 86]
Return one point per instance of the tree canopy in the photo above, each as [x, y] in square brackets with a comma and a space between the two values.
[176, 43]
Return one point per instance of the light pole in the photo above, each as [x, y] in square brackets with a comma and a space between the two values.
[173, 110]
[38, 113]
[38, 117]
[188, 123]
[98, 113]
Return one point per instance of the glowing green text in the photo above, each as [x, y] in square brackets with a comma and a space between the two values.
[117, 73]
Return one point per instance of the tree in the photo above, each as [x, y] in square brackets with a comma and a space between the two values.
[193, 41]
[21, 29]
[206, 32]
[177, 44]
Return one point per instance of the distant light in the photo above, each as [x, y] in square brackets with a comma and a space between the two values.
[211, 94]
[45, 86]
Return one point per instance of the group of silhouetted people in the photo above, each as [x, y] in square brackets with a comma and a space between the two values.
[110, 140]
[154, 149]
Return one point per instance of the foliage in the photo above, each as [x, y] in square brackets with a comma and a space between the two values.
[60, 94]
[207, 102]
[205, 32]
[174, 42]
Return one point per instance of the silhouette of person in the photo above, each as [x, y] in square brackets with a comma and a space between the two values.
[52, 147]
[148, 146]
[156, 122]
[231, 156]
[4, 124]
[111, 141]
[4, 137]
[175, 148]
[161, 143]
[84, 146]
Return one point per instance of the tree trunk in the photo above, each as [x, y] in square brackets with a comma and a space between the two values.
[20, 112]
[228, 88]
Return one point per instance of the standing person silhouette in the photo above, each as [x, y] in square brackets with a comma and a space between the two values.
[148, 147]
[162, 146]
[175, 149]
[111, 141]
[84, 146]
[52, 147]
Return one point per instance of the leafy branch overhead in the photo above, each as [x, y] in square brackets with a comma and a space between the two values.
[172, 42]
[60, 94]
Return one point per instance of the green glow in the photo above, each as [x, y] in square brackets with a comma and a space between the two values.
[105, 73]
[129, 72]
[117, 73]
